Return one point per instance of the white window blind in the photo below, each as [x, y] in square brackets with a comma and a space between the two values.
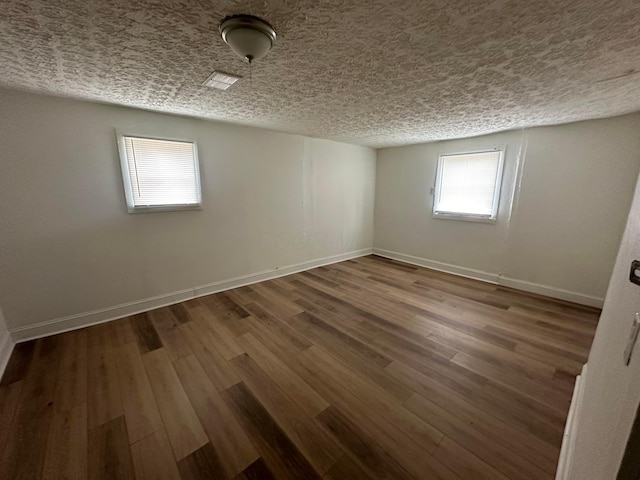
[160, 174]
[468, 184]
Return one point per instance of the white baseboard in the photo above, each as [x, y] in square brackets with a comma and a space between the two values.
[570, 429]
[554, 292]
[440, 266]
[81, 320]
[6, 348]
[495, 278]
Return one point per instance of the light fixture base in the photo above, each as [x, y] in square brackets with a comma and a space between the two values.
[249, 36]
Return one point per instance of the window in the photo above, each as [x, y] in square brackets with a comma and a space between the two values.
[158, 174]
[468, 186]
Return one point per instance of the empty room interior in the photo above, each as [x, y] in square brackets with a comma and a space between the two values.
[381, 239]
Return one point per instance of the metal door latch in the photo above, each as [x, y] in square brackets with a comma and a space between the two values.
[631, 342]
[634, 277]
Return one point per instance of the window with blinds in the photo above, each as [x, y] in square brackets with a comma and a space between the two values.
[468, 186]
[159, 174]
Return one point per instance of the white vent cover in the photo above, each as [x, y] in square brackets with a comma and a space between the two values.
[220, 80]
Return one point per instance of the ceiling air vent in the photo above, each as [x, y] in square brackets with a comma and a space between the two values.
[220, 80]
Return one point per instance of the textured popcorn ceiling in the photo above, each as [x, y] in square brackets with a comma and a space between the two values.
[376, 72]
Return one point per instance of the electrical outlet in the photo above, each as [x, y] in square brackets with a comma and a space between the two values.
[631, 342]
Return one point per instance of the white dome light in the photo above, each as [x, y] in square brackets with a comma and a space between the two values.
[250, 37]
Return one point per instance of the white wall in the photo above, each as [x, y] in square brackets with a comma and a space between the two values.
[69, 246]
[577, 184]
[573, 187]
[403, 221]
[273, 200]
[611, 392]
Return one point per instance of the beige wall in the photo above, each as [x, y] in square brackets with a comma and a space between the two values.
[611, 391]
[573, 190]
[69, 246]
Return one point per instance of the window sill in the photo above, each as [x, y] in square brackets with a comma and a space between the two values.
[464, 218]
[163, 208]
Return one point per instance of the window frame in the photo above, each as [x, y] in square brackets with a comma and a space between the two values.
[469, 217]
[126, 178]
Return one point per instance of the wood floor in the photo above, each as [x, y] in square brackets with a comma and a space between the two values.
[365, 369]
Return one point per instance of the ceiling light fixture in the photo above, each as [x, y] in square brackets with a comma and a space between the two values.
[250, 37]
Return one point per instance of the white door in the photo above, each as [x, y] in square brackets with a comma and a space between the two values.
[611, 388]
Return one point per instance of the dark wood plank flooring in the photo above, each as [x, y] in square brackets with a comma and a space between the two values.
[365, 369]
